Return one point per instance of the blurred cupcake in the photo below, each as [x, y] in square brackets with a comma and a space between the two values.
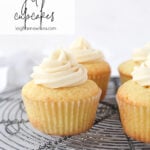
[93, 60]
[60, 100]
[133, 99]
[139, 55]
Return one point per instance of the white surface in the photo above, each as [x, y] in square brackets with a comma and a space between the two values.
[114, 26]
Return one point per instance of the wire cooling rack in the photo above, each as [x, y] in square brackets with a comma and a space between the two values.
[16, 133]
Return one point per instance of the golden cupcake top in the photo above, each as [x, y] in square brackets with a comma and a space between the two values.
[127, 67]
[131, 92]
[84, 53]
[83, 91]
[59, 70]
[139, 55]
[141, 74]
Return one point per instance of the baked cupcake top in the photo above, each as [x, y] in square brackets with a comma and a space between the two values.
[84, 53]
[137, 90]
[139, 55]
[59, 70]
[133, 93]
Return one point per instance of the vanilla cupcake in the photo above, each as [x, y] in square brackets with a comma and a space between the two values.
[93, 60]
[60, 100]
[133, 99]
[125, 69]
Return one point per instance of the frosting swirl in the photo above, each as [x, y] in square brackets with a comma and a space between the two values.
[140, 54]
[84, 52]
[59, 70]
[141, 74]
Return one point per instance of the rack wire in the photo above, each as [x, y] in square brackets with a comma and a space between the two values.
[16, 133]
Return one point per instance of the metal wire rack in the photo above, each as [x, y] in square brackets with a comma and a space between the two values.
[16, 133]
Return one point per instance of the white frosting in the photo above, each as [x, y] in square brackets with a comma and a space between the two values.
[140, 54]
[84, 52]
[141, 74]
[59, 70]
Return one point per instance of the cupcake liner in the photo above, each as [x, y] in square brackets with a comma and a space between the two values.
[62, 117]
[135, 121]
[102, 82]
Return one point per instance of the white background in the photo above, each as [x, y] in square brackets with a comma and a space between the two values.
[114, 26]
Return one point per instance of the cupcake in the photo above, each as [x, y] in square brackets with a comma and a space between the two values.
[125, 69]
[93, 61]
[60, 100]
[133, 99]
